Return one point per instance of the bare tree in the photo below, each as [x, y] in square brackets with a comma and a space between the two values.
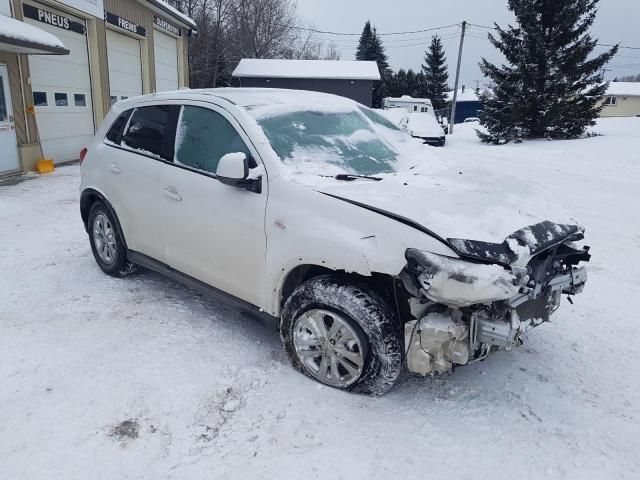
[229, 30]
[262, 28]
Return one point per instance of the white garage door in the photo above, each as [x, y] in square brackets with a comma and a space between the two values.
[125, 67]
[61, 87]
[166, 55]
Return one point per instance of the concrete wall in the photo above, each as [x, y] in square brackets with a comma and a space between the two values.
[359, 90]
[626, 106]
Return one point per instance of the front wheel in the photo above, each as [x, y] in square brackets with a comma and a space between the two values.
[342, 334]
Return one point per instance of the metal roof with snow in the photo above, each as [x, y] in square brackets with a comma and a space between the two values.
[174, 12]
[464, 95]
[19, 37]
[630, 89]
[315, 69]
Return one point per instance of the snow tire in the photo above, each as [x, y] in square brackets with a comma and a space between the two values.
[366, 312]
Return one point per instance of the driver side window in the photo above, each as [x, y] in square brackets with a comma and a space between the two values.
[203, 137]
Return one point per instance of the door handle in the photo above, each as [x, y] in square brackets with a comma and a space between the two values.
[114, 169]
[172, 193]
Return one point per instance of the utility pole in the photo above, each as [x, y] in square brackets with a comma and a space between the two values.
[455, 88]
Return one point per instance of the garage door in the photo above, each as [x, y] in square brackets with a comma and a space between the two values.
[61, 87]
[166, 55]
[125, 67]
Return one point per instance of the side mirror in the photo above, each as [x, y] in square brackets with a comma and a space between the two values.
[233, 170]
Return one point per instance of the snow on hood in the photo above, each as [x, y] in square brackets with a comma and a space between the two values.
[477, 205]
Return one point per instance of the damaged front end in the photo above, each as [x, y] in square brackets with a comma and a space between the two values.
[464, 308]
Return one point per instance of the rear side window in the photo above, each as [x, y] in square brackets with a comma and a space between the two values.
[147, 131]
[203, 137]
[114, 135]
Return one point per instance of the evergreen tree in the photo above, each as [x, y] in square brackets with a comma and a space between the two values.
[436, 75]
[365, 43]
[550, 87]
[370, 48]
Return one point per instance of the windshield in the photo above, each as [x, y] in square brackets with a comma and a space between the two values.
[329, 142]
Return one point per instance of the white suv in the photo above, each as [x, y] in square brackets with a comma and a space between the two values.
[310, 209]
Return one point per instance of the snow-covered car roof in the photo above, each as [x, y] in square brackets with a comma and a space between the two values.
[252, 97]
[316, 69]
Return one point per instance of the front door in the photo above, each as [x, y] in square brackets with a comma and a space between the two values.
[213, 232]
[8, 148]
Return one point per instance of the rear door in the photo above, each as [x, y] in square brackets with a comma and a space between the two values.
[214, 232]
[138, 164]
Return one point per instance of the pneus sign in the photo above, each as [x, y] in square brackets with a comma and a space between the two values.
[54, 19]
[125, 24]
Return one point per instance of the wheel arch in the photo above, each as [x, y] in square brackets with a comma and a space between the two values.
[388, 286]
[90, 196]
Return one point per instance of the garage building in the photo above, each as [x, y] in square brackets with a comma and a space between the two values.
[351, 79]
[116, 49]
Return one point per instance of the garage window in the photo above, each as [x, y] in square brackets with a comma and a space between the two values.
[80, 99]
[62, 100]
[146, 133]
[203, 137]
[40, 99]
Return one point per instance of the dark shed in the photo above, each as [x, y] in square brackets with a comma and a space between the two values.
[350, 79]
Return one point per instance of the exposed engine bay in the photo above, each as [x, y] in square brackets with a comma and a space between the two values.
[462, 309]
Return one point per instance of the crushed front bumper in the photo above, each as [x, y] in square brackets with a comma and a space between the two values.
[445, 335]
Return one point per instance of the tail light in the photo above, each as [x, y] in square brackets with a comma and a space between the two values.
[83, 153]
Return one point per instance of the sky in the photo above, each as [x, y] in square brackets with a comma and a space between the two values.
[617, 22]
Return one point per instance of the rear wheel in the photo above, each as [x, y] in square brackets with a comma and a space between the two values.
[106, 243]
[343, 335]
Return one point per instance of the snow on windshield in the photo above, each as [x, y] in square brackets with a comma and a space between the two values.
[328, 140]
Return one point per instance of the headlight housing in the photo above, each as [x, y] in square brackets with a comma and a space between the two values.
[459, 283]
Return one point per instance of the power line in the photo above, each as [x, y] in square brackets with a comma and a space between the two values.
[481, 26]
[619, 46]
[415, 44]
[598, 44]
[345, 34]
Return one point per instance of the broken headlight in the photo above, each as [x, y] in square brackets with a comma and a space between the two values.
[459, 283]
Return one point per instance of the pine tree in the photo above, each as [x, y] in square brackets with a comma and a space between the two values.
[370, 48]
[550, 87]
[364, 44]
[436, 75]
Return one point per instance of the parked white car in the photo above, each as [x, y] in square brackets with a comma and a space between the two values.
[425, 127]
[303, 207]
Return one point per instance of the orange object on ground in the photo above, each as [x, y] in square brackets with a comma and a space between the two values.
[45, 166]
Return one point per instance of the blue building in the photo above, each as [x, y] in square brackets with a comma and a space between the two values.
[467, 104]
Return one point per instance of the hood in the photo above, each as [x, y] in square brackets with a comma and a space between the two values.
[469, 214]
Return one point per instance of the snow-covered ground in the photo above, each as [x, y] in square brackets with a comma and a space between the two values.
[143, 378]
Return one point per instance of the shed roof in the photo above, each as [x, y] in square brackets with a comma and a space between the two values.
[624, 88]
[316, 69]
[466, 95]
